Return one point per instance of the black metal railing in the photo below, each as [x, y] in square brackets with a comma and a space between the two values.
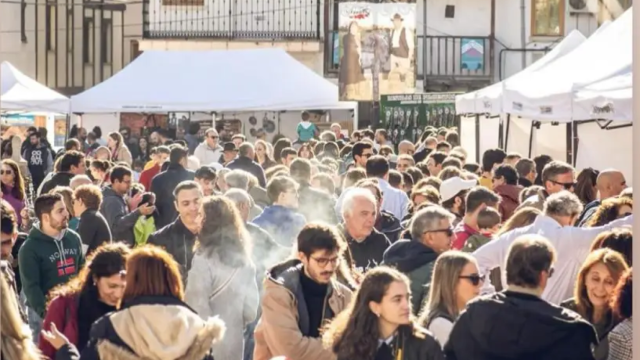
[456, 57]
[438, 57]
[233, 19]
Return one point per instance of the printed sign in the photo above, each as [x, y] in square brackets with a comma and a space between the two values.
[377, 49]
[472, 54]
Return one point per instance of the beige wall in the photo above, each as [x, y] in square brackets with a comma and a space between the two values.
[12, 49]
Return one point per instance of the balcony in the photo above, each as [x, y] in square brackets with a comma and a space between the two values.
[443, 62]
[256, 20]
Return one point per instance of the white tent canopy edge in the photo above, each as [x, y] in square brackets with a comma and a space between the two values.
[20, 93]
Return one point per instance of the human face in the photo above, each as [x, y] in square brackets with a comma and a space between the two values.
[397, 23]
[6, 244]
[395, 307]
[111, 143]
[207, 186]
[33, 139]
[624, 211]
[289, 159]
[440, 238]
[237, 141]
[162, 158]
[103, 154]
[361, 218]
[260, 151]
[566, 181]
[7, 175]
[289, 199]
[321, 265]
[143, 143]
[125, 134]
[599, 284]
[212, 139]
[497, 182]
[153, 138]
[336, 130]
[469, 284]
[78, 207]
[434, 169]
[82, 133]
[305, 153]
[80, 169]
[58, 219]
[362, 160]
[111, 289]
[229, 155]
[403, 165]
[188, 204]
[122, 187]
[419, 199]
[97, 174]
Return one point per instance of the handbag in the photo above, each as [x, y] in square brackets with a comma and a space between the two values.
[224, 285]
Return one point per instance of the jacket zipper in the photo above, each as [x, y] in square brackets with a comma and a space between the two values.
[184, 244]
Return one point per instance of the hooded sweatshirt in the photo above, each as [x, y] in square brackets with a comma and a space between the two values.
[46, 262]
[512, 325]
[415, 260]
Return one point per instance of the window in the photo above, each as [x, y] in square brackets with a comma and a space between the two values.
[547, 17]
[183, 2]
[105, 40]
[50, 24]
[87, 40]
[135, 49]
[450, 11]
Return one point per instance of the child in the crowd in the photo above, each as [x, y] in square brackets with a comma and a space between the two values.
[306, 129]
[488, 224]
[145, 225]
[138, 167]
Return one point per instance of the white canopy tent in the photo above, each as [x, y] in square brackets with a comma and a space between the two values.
[20, 93]
[222, 81]
[489, 99]
[610, 99]
[548, 94]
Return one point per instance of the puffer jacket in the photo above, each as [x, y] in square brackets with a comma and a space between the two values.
[285, 320]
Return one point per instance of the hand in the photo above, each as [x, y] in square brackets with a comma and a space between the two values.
[135, 201]
[55, 337]
[24, 214]
[147, 209]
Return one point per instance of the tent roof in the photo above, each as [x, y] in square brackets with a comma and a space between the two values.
[224, 80]
[18, 92]
[489, 99]
[548, 94]
[610, 99]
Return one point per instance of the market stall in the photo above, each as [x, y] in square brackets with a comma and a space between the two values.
[20, 93]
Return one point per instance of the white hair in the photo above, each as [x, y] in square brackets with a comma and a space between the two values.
[563, 203]
[237, 179]
[354, 194]
[78, 180]
[238, 196]
[193, 163]
[428, 219]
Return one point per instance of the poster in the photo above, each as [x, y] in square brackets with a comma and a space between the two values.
[406, 115]
[59, 131]
[377, 43]
[472, 54]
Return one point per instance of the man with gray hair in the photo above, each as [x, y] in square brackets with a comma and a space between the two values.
[366, 244]
[245, 161]
[431, 234]
[240, 179]
[78, 180]
[572, 244]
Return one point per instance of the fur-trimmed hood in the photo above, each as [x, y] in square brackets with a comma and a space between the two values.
[161, 331]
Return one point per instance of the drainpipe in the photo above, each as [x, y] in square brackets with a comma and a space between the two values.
[523, 35]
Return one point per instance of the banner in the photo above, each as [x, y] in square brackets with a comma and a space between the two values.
[405, 116]
[377, 49]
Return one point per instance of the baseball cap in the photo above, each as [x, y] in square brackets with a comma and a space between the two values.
[229, 146]
[451, 187]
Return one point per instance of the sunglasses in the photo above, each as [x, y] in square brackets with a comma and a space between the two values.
[567, 186]
[6, 172]
[448, 231]
[475, 279]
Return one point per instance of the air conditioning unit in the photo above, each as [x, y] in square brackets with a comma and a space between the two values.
[582, 6]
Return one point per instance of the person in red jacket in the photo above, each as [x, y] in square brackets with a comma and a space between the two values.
[158, 155]
[96, 291]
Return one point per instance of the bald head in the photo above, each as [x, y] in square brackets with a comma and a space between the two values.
[610, 183]
[406, 147]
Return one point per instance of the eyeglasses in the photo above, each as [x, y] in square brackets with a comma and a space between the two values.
[567, 186]
[6, 172]
[448, 231]
[475, 279]
[368, 155]
[323, 262]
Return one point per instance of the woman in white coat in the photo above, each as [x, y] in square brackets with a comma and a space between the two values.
[222, 278]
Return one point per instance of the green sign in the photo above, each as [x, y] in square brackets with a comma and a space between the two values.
[405, 116]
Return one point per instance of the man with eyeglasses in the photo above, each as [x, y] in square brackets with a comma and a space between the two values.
[431, 235]
[209, 151]
[519, 316]
[300, 296]
[361, 152]
[556, 176]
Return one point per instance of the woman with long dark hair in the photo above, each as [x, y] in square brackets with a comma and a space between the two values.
[96, 291]
[12, 184]
[143, 154]
[222, 278]
[118, 148]
[152, 321]
[378, 324]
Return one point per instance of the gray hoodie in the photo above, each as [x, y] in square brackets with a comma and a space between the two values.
[207, 155]
[119, 219]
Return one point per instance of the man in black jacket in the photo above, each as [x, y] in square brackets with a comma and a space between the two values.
[517, 323]
[71, 164]
[179, 237]
[93, 228]
[314, 204]
[163, 185]
[245, 162]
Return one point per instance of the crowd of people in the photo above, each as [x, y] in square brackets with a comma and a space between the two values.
[341, 246]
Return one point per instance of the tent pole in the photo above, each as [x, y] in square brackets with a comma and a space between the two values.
[477, 138]
[506, 136]
[531, 138]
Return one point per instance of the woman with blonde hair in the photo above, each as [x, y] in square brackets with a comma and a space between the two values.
[455, 281]
[67, 197]
[16, 340]
[263, 154]
[593, 292]
[119, 150]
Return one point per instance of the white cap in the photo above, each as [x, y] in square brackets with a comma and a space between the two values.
[451, 187]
